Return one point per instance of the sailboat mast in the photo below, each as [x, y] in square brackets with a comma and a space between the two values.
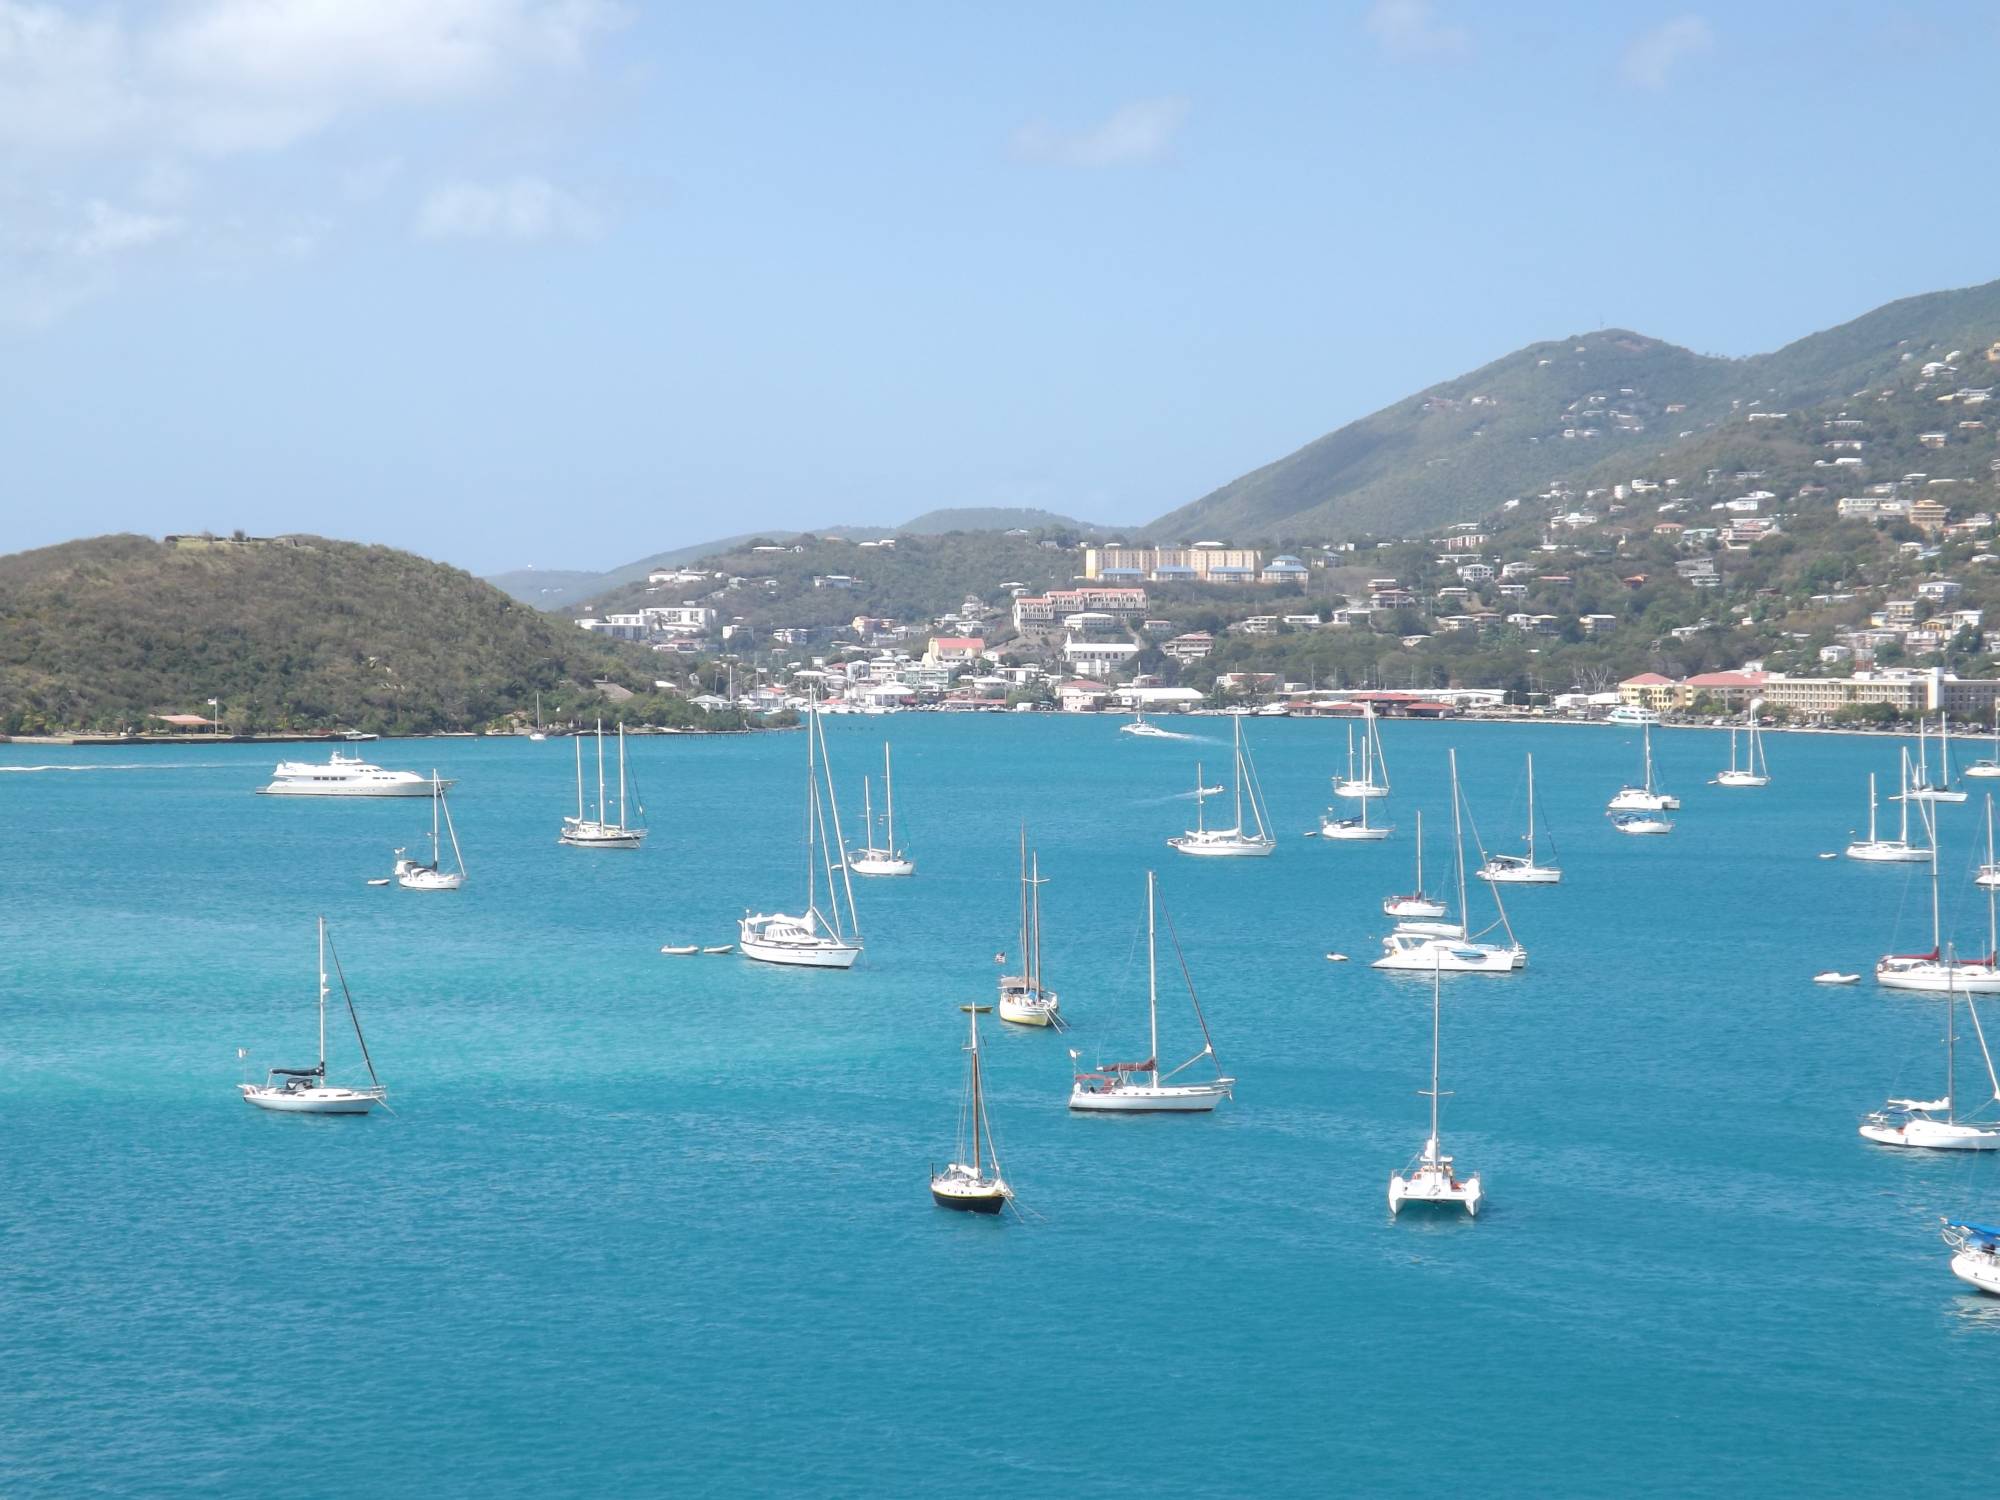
[978, 1104]
[1199, 799]
[1152, 985]
[621, 773]
[867, 813]
[1035, 883]
[322, 999]
[812, 805]
[437, 791]
[889, 795]
[1531, 807]
[1950, 1046]
[1931, 822]
[579, 778]
[1437, 1005]
[1239, 773]
[1647, 736]
[600, 770]
[1871, 807]
[1420, 851]
[1458, 845]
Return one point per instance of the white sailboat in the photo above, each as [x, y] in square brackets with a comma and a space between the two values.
[1429, 1178]
[1975, 1254]
[967, 1184]
[1450, 947]
[1521, 869]
[1917, 1122]
[1144, 730]
[1898, 850]
[1645, 797]
[1418, 903]
[1356, 827]
[1935, 972]
[1641, 822]
[1921, 786]
[414, 876]
[884, 858]
[1235, 841]
[1024, 999]
[1755, 771]
[1988, 877]
[538, 734]
[1989, 765]
[600, 832]
[816, 939]
[1373, 777]
[305, 1091]
[1140, 1087]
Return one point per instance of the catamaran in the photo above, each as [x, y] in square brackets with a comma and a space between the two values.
[345, 776]
[1418, 903]
[1934, 971]
[1990, 764]
[1645, 797]
[305, 1091]
[967, 1184]
[1373, 777]
[1429, 1178]
[1755, 771]
[1898, 850]
[1916, 1122]
[1234, 841]
[1920, 785]
[883, 858]
[1140, 727]
[414, 876]
[1521, 869]
[829, 939]
[597, 832]
[1448, 946]
[1140, 1087]
[1976, 1254]
[1024, 999]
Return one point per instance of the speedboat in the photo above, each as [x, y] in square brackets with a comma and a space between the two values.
[346, 776]
[1834, 976]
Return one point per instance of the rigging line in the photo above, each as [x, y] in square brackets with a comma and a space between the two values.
[1492, 887]
[352, 1015]
[1188, 979]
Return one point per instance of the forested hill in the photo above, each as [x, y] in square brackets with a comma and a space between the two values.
[299, 633]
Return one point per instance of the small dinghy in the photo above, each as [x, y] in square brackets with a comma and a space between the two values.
[1829, 854]
[681, 950]
[1834, 976]
[721, 948]
[383, 881]
[1336, 958]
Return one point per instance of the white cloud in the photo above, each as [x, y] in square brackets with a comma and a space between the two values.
[1134, 135]
[221, 77]
[110, 230]
[1411, 29]
[522, 208]
[1653, 55]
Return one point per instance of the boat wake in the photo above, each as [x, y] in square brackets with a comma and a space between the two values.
[137, 766]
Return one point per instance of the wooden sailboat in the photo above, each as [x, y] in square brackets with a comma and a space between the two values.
[600, 832]
[967, 1184]
[1140, 1087]
[305, 1091]
[1521, 869]
[1430, 1178]
[1024, 999]
[884, 858]
[1235, 841]
[826, 937]
[414, 876]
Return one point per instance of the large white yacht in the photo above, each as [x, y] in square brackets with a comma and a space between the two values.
[347, 776]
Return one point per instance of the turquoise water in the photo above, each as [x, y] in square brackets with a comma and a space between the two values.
[660, 1224]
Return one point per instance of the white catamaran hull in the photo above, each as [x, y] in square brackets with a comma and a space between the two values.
[1433, 1185]
[1445, 955]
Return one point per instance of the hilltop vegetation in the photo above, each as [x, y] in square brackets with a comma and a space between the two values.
[301, 634]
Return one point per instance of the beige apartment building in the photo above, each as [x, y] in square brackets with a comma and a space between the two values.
[1172, 564]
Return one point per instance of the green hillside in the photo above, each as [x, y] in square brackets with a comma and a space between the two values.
[298, 633]
[1561, 412]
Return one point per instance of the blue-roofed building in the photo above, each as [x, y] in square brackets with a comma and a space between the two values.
[1285, 568]
[1172, 573]
[1232, 575]
[1127, 575]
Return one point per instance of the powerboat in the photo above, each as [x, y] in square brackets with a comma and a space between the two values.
[346, 776]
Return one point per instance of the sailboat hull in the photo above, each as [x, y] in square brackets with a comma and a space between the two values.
[1435, 1188]
[1498, 874]
[1221, 846]
[1979, 1268]
[1150, 1099]
[1412, 906]
[423, 878]
[1932, 977]
[323, 1101]
[592, 835]
[1886, 852]
[801, 955]
[867, 863]
[968, 1194]
[1351, 828]
[1932, 1135]
[1359, 789]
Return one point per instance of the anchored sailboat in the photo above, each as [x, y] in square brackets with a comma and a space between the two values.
[1933, 971]
[305, 1091]
[1521, 869]
[966, 1184]
[1356, 827]
[1024, 999]
[1449, 946]
[1373, 777]
[1645, 797]
[1754, 772]
[1430, 1178]
[600, 832]
[829, 939]
[1417, 903]
[411, 875]
[883, 858]
[1140, 1087]
[1989, 765]
[1976, 1254]
[1920, 785]
[1916, 1122]
[1898, 850]
[1234, 841]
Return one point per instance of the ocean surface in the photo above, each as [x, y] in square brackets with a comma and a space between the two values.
[652, 1225]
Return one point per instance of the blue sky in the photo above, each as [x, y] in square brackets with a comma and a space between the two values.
[565, 282]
